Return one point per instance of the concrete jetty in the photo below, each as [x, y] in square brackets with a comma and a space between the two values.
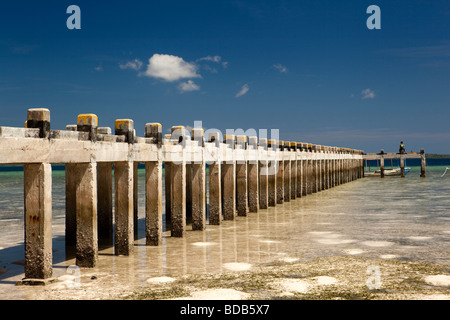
[245, 176]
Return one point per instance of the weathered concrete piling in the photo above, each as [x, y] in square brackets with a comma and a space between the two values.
[244, 176]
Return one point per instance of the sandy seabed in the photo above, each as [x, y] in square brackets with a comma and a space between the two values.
[329, 278]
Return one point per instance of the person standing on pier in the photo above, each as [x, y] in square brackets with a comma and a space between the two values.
[401, 148]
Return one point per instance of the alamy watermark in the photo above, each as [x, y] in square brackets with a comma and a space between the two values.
[374, 280]
[226, 148]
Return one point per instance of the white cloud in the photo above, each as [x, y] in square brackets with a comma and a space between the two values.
[188, 86]
[215, 59]
[368, 94]
[98, 68]
[280, 68]
[243, 91]
[170, 68]
[136, 64]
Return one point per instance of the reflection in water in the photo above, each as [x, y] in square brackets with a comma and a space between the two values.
[389, 218]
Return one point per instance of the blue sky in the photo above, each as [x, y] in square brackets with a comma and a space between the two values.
[311, 69]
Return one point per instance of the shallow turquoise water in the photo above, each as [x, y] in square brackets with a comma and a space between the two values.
[391, 218]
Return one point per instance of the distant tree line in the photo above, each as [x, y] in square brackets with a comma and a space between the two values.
[437, 156]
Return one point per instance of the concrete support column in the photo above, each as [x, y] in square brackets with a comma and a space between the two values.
[229, 183]
[178, 199]
[123, 204]
[252, 177]
[104, 202]
[38, 221]
[189, 191]
[402, 167]
[199, 196]
[242, 189]
[272, 177]
[305, 176]
[153, 203]
[135, 199]
[241, 180]
[168, 190]
[229, 190]
[294, 171]
[310, 174]
[280, 182]
[287, 180]
[423, 164]
[314, 178]
[263, 186]
[263, 178]
[86, 209]
[215, 194]
[299, 165]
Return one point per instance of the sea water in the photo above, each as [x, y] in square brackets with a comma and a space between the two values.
[390, 218]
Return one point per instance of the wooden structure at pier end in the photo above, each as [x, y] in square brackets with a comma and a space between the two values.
[381, 157]
[245, 175]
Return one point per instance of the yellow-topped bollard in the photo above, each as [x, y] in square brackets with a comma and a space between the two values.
[88, 123]
[125, 127]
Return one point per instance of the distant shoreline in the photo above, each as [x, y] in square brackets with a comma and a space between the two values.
[437, 156]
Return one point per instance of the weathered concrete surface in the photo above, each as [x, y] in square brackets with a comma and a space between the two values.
[253, 187]
[263, 180]
[198, 196]
[287, 181]
[86, 208]
[153, 203]
[123, 204]
[280, 182]
[178, 199]
[242, 189]
[38, 220]
[215, 194]
[229, 191]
